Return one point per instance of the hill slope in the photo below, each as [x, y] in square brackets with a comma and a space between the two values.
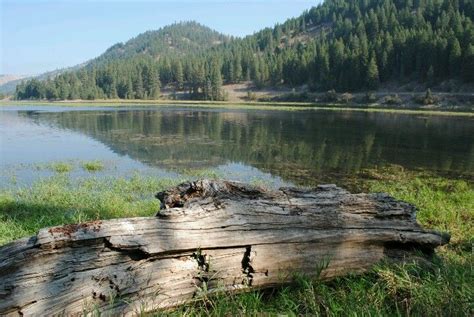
[176, 39]
[9, 86]
[8, 82]
[343, 45]
[180, 38]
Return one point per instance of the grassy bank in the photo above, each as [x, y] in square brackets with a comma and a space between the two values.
[284, 106]
[445, 287]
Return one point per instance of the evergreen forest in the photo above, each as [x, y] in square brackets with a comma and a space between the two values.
[346, 45]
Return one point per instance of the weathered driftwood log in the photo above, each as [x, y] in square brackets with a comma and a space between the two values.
[209, 236]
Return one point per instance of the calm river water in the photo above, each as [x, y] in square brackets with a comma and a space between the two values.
[281, 147]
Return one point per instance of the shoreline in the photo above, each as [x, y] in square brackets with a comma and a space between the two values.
[257, 105]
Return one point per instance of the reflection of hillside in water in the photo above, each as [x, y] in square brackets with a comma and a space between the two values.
[292, 145]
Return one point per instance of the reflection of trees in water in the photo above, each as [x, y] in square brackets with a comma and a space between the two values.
[293, 145]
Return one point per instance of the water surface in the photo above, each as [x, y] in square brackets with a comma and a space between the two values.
[279, 147]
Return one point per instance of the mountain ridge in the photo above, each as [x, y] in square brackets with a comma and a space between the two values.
[202, 38]
[180, 37]
[343, 45]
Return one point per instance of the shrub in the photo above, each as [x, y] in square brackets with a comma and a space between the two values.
[346, 98]
[224, 96]
[93, 166]
[393, 100]
[427, 99]
[330, 95]
[61, 167]
[251, 96]
[370, 97]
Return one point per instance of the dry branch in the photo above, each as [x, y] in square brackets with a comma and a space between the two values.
[208, 237]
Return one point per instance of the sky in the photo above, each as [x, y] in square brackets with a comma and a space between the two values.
[44, 35]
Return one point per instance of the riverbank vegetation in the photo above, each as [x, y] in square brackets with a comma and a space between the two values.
[341, 45]
[444, 287]
[282, 106]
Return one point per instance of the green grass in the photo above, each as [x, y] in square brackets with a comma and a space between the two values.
[444, 204]
[442, 288]
[93, 166]
[60, 200]
[55, 166]
[283, 106]
[61, 167]
[388, 290]
[196, 173]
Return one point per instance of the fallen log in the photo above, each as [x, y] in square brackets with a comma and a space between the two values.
[209, 236]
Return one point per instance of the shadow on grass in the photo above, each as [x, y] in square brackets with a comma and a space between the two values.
[25, 218]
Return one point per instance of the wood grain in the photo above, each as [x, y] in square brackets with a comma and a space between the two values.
[210, 236]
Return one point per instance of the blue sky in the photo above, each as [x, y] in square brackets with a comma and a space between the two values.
[42, 35]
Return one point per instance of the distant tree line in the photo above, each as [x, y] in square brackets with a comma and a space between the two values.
[347, 45]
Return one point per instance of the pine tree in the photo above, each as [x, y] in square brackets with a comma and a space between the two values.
[372, 74]
[129, 94]
[237, 68]
[63, 88]
[51, 92]
[430, 75]
[468, 64]
[454, 58]
[138, 86]
[151, 82]
[179, 75]
[216, 81]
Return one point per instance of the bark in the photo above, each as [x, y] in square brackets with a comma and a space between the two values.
[208, 237]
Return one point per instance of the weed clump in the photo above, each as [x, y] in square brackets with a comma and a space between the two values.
[93, 166]
[61, 167]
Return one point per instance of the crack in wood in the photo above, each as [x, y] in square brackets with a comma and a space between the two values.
[247, 268]
[164, 261]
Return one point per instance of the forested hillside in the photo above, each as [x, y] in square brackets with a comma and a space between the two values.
[347, 45]
[176, 39]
